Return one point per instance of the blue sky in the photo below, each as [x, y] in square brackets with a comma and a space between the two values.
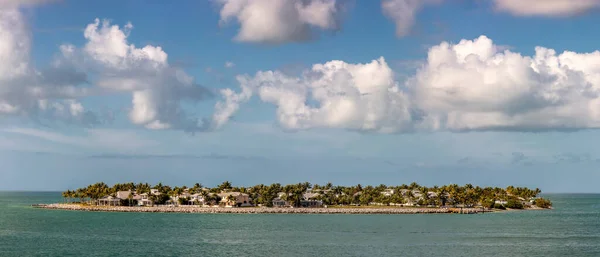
[517, 119]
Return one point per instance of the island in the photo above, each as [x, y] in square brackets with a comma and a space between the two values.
[299, 198]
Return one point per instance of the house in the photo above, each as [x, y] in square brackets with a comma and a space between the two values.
[502, 202]
[388, 192]
[311, 203]
[196, 199]
[234, 199]
[123, 195]
[309, 200]
[432, 194]
[109, 201]
[279, 202]
[417, 194]
[154, 192]
[144, 200]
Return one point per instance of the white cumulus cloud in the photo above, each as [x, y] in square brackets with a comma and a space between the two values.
[546, 7]
[470, 85]
[43, 95]
[280, 21]
[158, 90]
[473, 85]
[335, 94]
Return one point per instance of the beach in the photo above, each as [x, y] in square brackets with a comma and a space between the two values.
[262, 210]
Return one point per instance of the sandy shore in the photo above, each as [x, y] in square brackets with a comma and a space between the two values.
[259, 210]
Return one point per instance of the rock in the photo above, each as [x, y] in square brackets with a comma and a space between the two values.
[258, 210]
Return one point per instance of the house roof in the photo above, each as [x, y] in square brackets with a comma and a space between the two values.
[109, 198]
[310, 195]
[123, 194]
[223, 195]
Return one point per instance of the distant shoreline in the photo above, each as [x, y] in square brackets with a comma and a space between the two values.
[265, 210]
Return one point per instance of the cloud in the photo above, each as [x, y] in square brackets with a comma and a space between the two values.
[555, 8]
[404, 12]
[158, 89]
[120, 141]
[336, 94]
[472, 85]
[224, 110]
[18, 3]
[280, 21]
[229, 64]
[46, 95]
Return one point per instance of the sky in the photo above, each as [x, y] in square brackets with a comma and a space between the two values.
[488, 92]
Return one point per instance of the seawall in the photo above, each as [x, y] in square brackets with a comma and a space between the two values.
[260, 210]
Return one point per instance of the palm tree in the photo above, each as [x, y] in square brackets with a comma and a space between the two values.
[65, 194]
[226, 185]
[205, 196]
[231, 200]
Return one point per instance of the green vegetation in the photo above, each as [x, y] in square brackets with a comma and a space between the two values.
[514, 204]
[329, 194]
[542, 203]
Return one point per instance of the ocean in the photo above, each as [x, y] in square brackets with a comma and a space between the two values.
[571, 229]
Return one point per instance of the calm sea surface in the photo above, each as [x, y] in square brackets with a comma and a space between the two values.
[572, 229]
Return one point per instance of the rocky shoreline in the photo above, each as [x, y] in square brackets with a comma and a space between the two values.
[261, 210]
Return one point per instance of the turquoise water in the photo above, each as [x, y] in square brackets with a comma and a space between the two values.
[572, 229]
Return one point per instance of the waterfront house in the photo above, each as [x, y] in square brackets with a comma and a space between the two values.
[311, 203]
[109, 201]
[388, 192]
[234, 199]
[279, 202]
[123, 195]
[144, 200]
[196, 199]
[309, 200]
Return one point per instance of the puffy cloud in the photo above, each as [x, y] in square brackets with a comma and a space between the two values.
[225, 110]
[229, 64]
[280, 21]
[335, 94]
[403, 13]
[158, 89]
[470, 85]
[546, 7]
[43, 95]
[474, 86]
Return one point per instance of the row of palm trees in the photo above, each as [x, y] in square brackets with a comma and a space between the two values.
[329, 194]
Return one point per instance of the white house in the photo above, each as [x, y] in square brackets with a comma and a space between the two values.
[144, 200]
[196, 199]
[388, 192]
[109, 201]
[239, 199]
[503, 202]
